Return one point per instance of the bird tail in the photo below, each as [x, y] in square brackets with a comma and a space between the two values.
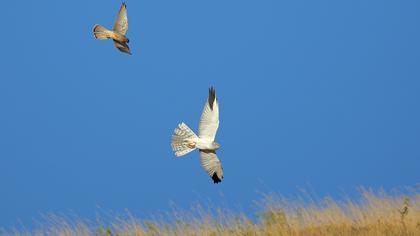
[101, 32]
[183, 140]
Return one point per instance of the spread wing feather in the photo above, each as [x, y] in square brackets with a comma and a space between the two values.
[211, 165]
[123, 47]
[121, 23]
[209, 121]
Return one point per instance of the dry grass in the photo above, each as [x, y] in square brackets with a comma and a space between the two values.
[374, 213]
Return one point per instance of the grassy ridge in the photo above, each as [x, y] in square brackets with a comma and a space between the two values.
[374, 213]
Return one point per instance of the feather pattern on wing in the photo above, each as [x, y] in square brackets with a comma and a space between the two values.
[211, 165]
[209, 121]
[121, 23]
[123, 47]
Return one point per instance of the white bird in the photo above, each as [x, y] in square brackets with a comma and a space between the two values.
[184, 140]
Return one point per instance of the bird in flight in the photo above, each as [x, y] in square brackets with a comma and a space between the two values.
[117, 34]
[184, 140]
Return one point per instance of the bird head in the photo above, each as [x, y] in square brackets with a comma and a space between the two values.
[216, 145]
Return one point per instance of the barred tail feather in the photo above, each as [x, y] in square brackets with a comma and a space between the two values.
[101, 32]
[182, 137]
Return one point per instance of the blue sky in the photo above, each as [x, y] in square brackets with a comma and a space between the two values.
[312, 93]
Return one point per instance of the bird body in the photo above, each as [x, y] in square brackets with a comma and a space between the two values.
[202, 143]
[206, 144]
[184, 140]
[117, 34]
[103, 33]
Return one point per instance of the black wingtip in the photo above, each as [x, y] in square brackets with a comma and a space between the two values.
[216, 179]
[212, 96]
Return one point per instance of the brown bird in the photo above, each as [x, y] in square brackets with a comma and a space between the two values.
[117, 34]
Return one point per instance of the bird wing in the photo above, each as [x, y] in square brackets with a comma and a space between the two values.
[121, 23]
[211, 165]
[123, 47]
[209, 121]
